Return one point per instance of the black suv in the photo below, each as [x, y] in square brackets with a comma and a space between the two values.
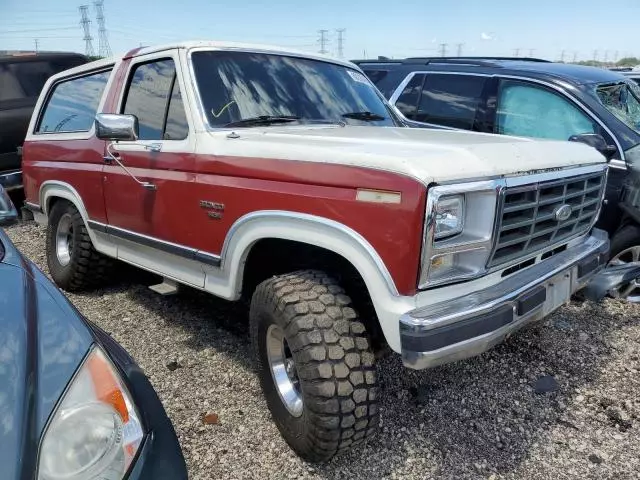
[22, 76]
[530, 98]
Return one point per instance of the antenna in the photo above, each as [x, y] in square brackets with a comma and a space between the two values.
[323, 40]
[340, 32]
[85, 22]
[104, 50]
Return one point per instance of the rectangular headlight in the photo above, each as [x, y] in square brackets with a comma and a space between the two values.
[449, 216]
[458, 231]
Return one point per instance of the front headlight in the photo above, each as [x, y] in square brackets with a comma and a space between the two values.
[458, 231]
[95, 431]
[449, 216]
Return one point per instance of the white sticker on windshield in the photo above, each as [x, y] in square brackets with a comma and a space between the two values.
[357, 76]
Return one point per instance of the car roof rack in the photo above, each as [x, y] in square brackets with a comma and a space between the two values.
[478, 61]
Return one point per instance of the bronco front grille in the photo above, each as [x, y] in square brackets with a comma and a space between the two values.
[528, 221]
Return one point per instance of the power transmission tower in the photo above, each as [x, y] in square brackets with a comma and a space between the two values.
[35, 40]
[606, 56]
[516, 52]
[531, 50]
[460, 45]
[340, 32]
[595, 55]
[575, 57]
[615, 57]
[562, 56]
[85, 22]
[103, 42]
[323, 40]
[443, 49]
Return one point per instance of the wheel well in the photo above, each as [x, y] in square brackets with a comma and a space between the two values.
[273, 256]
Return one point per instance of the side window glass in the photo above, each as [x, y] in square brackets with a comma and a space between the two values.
[531, 111]
[451, 100]
[10, 88]
[177, 127]
[148, 95]
[72, 105]
[407, 102]
[376, 75]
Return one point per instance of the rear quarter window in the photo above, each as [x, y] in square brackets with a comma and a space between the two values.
[72, 104]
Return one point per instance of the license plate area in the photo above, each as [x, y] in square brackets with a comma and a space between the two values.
[558, 292]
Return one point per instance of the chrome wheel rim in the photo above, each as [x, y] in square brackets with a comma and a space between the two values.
[64, 240]
[283, 370]
[631, 290]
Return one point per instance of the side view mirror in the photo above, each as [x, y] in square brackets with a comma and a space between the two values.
[8, 213]
[114, 126]
[596, 141]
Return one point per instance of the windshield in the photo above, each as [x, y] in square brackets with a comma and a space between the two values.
[623, 100]
[236, 86]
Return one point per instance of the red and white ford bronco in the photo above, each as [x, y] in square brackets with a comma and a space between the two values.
[284, 178]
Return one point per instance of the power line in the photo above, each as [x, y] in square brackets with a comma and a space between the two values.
[104, 50]
[340, 32]
[85, 22]
[28, 30]
[323, 40]
[443, 49]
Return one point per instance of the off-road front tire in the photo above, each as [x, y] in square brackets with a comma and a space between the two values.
[80, 266]
[333, 366]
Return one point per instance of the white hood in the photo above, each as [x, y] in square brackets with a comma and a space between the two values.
[428, 155]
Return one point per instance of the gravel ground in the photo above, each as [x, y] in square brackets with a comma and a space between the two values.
[482, 418]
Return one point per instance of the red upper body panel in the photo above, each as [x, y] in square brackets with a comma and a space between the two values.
[173, 212]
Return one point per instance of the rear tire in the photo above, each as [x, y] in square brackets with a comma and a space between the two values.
[73, 262]
[332, 370]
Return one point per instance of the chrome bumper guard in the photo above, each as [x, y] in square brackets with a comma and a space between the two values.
[468, 326]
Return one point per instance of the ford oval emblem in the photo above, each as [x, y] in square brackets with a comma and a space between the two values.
[562, 213]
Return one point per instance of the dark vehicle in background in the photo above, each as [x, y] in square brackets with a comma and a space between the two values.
[22, 76]
[73, 404]
[633, 75]
[529, 97]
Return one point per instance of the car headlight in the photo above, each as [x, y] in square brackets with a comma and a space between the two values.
[449, 216]
[458, 231]
[95, 431]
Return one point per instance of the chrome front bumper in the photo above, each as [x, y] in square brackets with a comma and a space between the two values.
[451, 331]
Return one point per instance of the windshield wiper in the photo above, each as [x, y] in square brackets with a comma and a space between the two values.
[263, 120]
[364, 116]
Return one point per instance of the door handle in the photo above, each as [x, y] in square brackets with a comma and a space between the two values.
[114, 156]
[153, 147]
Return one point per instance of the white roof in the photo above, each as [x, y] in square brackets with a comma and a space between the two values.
[243, 47]
[97, 64]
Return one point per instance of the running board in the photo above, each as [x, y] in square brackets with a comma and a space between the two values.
[167, 287]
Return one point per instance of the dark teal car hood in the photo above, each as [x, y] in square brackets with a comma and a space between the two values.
[43, 340]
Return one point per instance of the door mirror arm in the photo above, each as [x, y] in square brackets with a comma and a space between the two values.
[114, 157]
